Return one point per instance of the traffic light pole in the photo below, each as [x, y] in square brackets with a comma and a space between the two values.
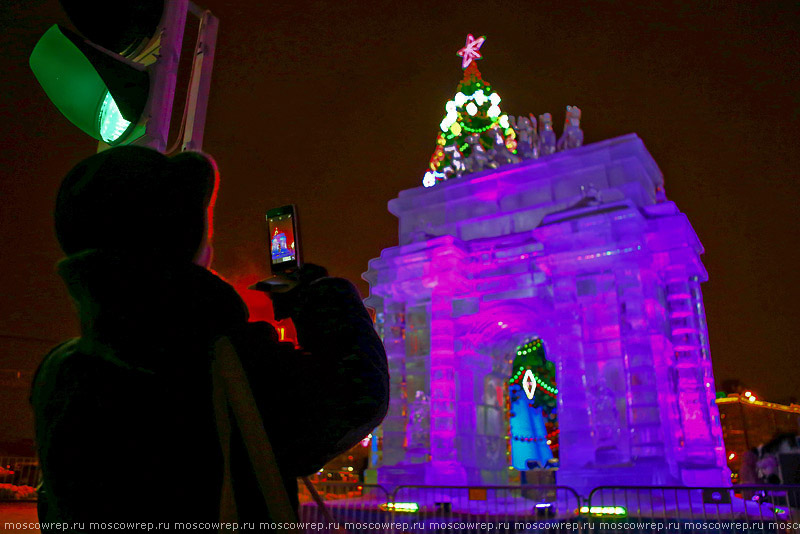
[200, 83]
[164, 78]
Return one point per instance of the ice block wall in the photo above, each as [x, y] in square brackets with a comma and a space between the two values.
[583, 250]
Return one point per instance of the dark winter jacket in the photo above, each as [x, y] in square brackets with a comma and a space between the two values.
[124, 414]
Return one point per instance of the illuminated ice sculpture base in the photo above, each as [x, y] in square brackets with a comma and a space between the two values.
[583, 250]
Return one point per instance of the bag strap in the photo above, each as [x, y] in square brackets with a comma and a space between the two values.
[233, 384]
[227, 506]
[321, 505]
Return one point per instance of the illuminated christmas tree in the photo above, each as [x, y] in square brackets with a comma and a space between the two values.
[473, 123]
[532, 406]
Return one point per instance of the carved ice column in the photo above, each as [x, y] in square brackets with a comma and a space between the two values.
[701, 431]
[576, 438]
[641, 333]
[418, 379]
[394, 425]
[446, 276]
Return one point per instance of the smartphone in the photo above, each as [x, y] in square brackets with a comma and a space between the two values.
[284, 239]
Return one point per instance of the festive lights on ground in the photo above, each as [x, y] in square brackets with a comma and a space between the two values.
[599, 511]
[408, 507]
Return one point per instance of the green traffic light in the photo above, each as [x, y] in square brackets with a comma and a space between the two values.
[100, 93]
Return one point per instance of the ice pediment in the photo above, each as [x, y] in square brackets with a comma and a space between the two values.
[517, 197]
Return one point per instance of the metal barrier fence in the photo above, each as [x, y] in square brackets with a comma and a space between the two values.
[474, 510]
[741, 508]
[19, 475]
[428, 509]
[516, 509]
[524, 509]
[348, 502]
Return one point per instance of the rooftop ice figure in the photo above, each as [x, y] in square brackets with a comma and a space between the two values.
[500, 153]
[547, 137]
[573, 135]
[527, 137]
[478, 158]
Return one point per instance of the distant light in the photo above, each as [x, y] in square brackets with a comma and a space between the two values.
[604, 510]
[543, 505]
[400, 507]
[731, 456]
[549, 442]
[349, 468]
[748, 393]
[752, 399]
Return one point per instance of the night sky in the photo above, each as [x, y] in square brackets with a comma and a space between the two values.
[335, 106]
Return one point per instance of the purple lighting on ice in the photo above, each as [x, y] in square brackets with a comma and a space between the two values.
[610, 281]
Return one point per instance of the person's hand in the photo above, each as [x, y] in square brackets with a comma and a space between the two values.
[283, 289]
[285, 282]
[280, 283]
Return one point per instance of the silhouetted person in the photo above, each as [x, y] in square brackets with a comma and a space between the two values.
[124, 414]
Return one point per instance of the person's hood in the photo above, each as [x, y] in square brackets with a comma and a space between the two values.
[148, 312]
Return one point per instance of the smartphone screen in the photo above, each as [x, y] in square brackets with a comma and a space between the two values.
[284, 248]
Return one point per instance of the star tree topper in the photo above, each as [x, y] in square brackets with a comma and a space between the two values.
[470, 50]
